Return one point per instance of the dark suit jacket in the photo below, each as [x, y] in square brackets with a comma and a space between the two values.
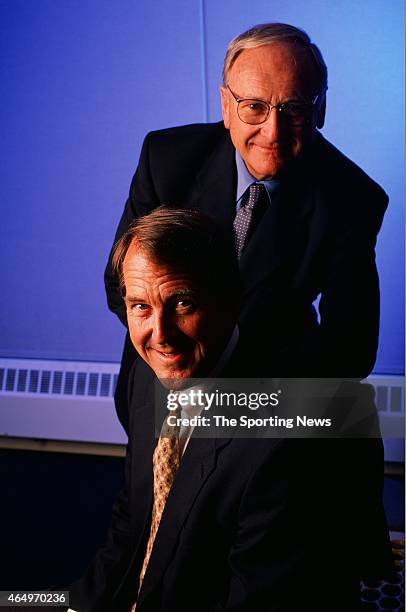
[258, 525]
[249, 525]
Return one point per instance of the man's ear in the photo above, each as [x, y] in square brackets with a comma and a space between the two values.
[321, 113]
[225, 106]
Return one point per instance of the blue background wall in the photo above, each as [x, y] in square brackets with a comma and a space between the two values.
[82, 81]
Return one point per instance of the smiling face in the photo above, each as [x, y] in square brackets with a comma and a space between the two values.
[276, 73]
[177, 328]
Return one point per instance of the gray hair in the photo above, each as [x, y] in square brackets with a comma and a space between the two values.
[268, 33]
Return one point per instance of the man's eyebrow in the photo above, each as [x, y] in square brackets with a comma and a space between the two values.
[181, 292]
[186, 292]
[293, 98]
[133, 299]
[298, 99]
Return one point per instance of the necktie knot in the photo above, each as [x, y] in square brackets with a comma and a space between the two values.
[253, 195]
[170, 427]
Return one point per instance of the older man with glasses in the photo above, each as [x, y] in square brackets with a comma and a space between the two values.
[305, 218]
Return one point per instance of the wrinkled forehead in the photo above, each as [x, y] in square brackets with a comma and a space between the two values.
[279, 62]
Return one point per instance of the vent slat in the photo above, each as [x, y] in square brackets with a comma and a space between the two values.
[33, 384]
[395, 399]
[57, 382]
[81, 383]
[105, 385]
[382, 398]
[69, 379]
[22, 380]
[45, 381]
[93, 384]
[10, 380]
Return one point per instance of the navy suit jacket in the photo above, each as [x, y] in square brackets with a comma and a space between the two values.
[250, 524]
[247, 521]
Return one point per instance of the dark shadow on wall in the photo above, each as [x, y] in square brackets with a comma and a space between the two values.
[55, 510]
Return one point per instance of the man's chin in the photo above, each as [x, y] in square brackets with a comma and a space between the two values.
[266, 169]
[175, 382]
[175, 379]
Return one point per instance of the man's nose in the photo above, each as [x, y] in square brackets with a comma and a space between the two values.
[162, 328]
[271, 128]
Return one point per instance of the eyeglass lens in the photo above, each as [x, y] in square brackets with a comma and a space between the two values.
[256, 111]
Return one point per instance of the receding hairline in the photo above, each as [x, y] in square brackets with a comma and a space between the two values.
[296, 46]
[299, 57]
[264, 35]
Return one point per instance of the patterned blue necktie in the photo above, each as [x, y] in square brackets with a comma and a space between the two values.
[243, 218]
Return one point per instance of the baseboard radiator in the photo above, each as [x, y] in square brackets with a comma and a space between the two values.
[72, 401]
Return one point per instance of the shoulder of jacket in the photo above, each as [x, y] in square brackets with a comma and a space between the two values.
[196, 131]
[340, 171]
[172, 150]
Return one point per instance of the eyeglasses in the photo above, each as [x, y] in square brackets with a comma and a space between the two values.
[254, 112]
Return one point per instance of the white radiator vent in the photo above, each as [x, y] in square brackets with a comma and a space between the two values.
[72, 379]
[389, 393]
[73, 401]
[59, 400]
[89, 379]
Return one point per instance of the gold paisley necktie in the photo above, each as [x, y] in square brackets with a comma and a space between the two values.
[165, 462]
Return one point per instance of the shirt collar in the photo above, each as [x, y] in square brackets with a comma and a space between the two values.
[245, 179]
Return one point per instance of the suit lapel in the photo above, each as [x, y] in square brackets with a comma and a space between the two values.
[214, 190]
[197, 464]
[280, 235]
